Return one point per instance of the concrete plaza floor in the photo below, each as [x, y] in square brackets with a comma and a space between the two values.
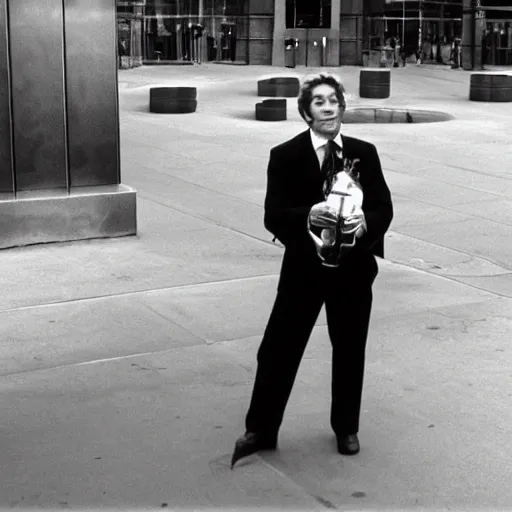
[127, 364]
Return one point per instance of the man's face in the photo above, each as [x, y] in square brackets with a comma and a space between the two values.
[326, 111]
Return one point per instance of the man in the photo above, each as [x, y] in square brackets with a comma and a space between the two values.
[296, 191]
[486, 46]
[121, 51]
[393, 44]
[403, 56]
[418, 57]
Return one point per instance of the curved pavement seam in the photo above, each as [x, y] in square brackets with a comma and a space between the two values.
[138, 292]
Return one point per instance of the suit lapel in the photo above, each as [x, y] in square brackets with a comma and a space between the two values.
[307, 153]
[351, 151]
[347, 147]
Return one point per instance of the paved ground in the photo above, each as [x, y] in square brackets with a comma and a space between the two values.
[127, 364]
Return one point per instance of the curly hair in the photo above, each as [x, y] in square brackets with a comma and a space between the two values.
[306, 92]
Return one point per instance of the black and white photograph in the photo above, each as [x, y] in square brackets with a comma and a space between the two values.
[256, 255]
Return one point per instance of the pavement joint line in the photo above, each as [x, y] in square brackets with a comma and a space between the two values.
[473, 189]
[471, 257]
[321, 501]
[452, 209]
[173, 154]
[161, 315]
[479, 172]
[209, 221]
[447, 277]
[444, 164]
[93, 361]
[131, 356]
[469, 276]
[197, 185]
[138, 354]
[138, 292]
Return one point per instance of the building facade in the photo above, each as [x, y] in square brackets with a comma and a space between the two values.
[487, 34]
[312, 32]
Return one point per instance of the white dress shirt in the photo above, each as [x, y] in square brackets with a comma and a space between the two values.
[320, 145]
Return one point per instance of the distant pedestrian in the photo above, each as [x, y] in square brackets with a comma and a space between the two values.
[121, 51]
[456, 58]
[403, 56]
[485, 47]
[392, 44]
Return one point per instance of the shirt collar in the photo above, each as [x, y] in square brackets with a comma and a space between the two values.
[318, 142]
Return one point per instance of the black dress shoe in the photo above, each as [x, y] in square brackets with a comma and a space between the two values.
[252, 442]
[348, 445]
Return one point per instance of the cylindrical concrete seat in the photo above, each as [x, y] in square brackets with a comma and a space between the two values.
[490, 87]
[172, 100]
[271, 110]
[281, 86]
[374, 83]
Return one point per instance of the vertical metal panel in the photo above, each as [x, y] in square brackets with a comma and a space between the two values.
[6, 163]
[92, 96]
[38, 93]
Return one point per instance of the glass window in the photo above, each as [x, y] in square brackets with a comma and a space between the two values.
[191, 7]
[223, 7]
[173, 7]
[308, 13]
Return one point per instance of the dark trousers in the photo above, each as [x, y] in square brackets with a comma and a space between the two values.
[288, 330]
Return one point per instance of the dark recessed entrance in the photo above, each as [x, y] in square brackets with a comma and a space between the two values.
[308, 13]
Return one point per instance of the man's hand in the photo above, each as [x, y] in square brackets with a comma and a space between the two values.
[355, 224]
[323, 216]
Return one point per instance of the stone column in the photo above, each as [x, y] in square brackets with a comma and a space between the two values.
[59, 157]
[260, 31]
[279, 32]
[441, 22]
[6, 150]
[471, 35]
[480, 25]
[333, 51]
[351, 31]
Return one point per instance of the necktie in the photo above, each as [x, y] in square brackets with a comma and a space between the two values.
[330, 166]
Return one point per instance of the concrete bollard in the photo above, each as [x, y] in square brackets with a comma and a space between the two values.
[374, 83]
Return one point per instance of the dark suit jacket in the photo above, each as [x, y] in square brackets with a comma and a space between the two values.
[294, 185]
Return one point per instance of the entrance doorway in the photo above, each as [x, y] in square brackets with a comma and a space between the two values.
[498, 43]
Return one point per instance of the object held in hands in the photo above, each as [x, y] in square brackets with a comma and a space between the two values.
[334, 224]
